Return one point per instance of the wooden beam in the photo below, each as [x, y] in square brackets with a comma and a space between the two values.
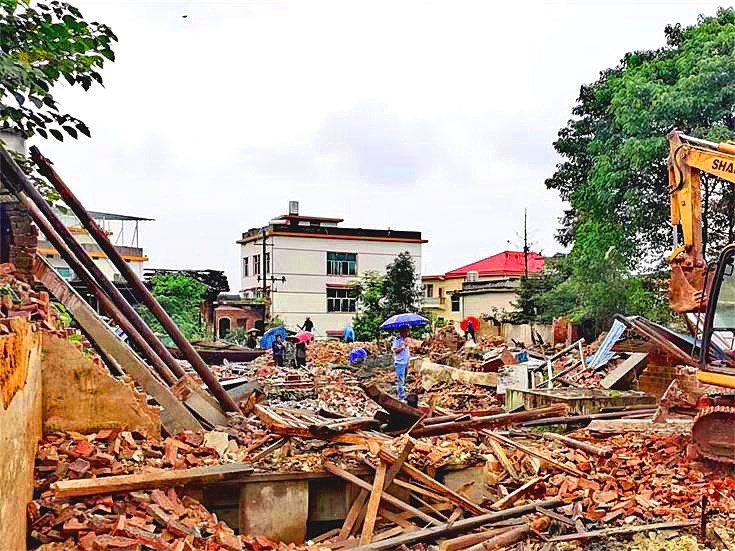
[432, 484]
[534, 453]
[491, 421]
[145, 481]
[606, 532]
[373, 504]
[514, 496]
[394, 501]
[579, 445]
[461, 526]
[467, 540]
[501, 541]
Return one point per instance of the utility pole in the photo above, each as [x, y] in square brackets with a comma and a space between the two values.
[525, 241]
[265, 281]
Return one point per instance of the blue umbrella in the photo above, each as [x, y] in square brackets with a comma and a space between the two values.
[266, 341]
[399, 320]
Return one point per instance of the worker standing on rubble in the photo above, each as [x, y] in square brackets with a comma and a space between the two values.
[307, 326]
[470, 331]
[279, 351]
[401, 355]
[348, 335]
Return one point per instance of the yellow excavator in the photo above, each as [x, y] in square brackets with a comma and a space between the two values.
[704, 294]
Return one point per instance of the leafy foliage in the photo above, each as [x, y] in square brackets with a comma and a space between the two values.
[43, 43]
[379, 297]
[369, 292]
[614, 170]
[181, 297]
[401, 289]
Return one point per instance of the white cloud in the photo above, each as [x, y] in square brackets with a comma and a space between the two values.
[432, 116]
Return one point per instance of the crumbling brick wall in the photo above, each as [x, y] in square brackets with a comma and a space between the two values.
[22, 240]
[660, 370]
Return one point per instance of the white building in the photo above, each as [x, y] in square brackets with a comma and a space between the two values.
[122, 230]
[310, 264]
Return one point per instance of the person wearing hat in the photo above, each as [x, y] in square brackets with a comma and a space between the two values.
[401, 356]
[252, 342]
[308, 325]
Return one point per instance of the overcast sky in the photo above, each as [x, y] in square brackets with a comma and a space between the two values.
[430, 116]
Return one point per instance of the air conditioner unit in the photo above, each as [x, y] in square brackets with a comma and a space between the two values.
[472, 276]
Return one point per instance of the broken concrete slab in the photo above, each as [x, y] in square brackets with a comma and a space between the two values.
[623, 376]
[433, 373]
[581, 401]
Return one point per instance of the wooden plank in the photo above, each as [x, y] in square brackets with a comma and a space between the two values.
[271, 448]
[500, 454]
[394, 501]
[432, 484]
[391, 474]
[461, 526]
[557, 516]
[373, 504]
[491, 421]
[579, 445]
[621, 377]
[501, 541]
[200, 402]
[175, 417]
[419, 490]
[352, 515]
[145, 481]
[389, 515]
[607, 532]
[467, 540]
[514, 496]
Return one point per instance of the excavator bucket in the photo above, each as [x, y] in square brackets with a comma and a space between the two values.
[685, 293]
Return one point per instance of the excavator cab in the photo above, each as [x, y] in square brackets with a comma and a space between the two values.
[717, 353]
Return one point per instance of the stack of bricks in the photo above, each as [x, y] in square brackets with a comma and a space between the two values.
[22, 241]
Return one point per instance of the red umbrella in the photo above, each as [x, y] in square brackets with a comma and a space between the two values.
[303, 336]
[470, 319]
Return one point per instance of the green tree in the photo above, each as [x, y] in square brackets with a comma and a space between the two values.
[41, 44]
[613, 174]
[370, 310]
[401, 290]
[181, 297]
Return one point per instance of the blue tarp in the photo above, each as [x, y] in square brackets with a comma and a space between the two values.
[266, 341]
[357, 355]
[604, 354]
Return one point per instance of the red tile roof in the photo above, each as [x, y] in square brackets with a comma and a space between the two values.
[505, 263]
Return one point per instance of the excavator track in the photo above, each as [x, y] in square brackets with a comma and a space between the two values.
[713, 433]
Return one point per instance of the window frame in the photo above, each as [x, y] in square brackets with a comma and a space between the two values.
[343, 301]
[455, 299]
[246, 266]
[256, 264]
[341, 267]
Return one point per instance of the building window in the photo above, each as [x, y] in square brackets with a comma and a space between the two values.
[267, 266]
[256, 264]
[341, 264]
[429, 290]
[441, 292]
[246, 266]
[455, 302]
[341, 300]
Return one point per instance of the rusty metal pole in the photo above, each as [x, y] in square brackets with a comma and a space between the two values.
[140, 290]
[17, 181]
[107, 305]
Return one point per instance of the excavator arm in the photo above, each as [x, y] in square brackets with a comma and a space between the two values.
[688, 158]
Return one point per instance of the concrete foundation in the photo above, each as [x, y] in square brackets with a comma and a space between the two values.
[581, 401]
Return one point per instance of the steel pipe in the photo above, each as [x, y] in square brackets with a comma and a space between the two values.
[18, 182]
[139, 289]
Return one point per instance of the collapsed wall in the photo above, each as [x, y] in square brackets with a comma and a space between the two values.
[20, 427]
[80, 395]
